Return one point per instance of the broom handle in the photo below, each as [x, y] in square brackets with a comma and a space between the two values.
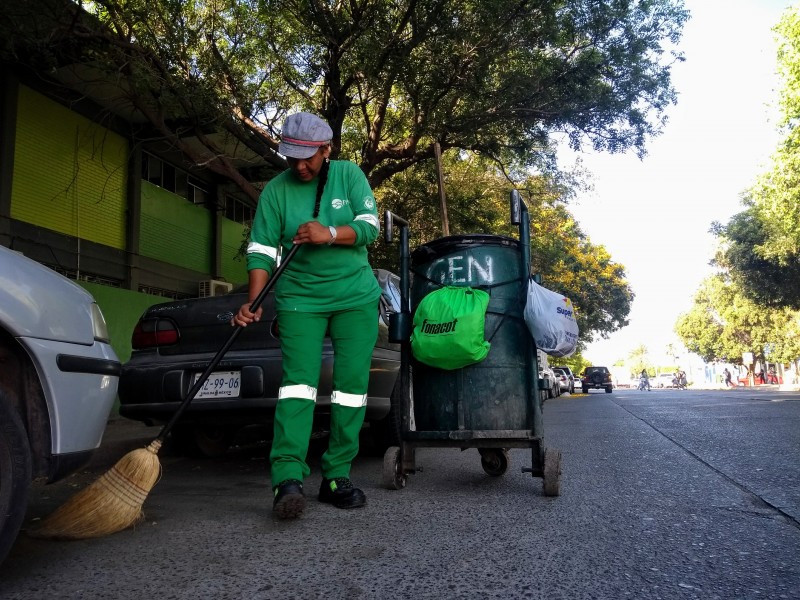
[221, 352]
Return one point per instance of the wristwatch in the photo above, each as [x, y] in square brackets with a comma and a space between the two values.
[332, 229]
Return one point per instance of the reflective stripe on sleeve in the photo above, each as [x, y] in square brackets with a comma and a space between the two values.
[352, 400]
[371, 219]
[306, 392]
[256, 248]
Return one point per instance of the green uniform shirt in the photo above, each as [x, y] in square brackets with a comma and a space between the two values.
[319, 278]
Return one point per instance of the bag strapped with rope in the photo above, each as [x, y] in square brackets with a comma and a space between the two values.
[448, 328]
[469, 345]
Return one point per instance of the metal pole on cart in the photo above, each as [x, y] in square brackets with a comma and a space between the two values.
[521, 217]
[400, 326]
[546, 463]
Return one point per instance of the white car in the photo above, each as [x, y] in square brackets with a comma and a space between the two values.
[548, 382]
[663, 380]
[571, 376]
[58, 382]
[564, 382]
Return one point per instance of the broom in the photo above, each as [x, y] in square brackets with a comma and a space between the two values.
[114, 502]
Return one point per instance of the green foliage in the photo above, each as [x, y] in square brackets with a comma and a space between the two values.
[577, 363]
[761, 245]
[490, 82]
[639, 360]
[723, 323]
[763, 280]
[391, 77]
[477, 202]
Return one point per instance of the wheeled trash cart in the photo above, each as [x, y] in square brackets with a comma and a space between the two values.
[493, 405]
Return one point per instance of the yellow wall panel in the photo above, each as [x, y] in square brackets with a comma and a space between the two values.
[174, 230]
[69, 174]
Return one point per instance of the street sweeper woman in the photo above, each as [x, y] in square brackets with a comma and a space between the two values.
[327, 207]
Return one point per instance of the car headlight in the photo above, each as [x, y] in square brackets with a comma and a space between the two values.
[99, 327]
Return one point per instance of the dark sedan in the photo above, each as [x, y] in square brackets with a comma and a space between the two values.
[174, 342]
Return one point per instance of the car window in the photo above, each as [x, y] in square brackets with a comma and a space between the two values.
[591, 370]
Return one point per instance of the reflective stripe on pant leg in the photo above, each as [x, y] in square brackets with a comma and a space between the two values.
[301, 338]
[353, 334]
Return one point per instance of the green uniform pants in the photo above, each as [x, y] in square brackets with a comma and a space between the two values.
[353, 333]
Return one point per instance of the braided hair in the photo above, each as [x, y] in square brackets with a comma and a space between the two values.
[323, 179]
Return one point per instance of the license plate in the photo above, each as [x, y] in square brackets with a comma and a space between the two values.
[222, 384]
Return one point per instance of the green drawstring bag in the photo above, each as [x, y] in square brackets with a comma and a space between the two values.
[448, 328]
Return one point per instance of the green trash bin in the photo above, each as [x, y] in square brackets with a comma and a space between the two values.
[499, 393]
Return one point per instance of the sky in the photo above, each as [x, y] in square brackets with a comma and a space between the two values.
[654, 215]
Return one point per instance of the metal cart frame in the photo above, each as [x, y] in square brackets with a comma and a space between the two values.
[399, 461]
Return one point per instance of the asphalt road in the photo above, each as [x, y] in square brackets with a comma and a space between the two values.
[664, 494]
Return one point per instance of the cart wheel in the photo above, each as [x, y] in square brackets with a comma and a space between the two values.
[393, 478]
[551, 479]
[494, 461]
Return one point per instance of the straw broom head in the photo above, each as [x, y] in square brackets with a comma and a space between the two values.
[111, 504]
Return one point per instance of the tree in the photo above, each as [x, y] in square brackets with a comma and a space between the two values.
[391, 77]
[639, 360]
[723, 323]
[765, 281]
[761, 245]
[477, 197]
[490, 82]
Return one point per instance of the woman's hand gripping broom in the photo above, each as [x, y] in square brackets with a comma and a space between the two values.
[114, 502]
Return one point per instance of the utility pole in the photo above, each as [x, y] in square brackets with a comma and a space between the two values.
[437, 150]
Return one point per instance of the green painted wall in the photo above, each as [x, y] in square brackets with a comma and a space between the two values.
[122, 309]
[174, 230]
[69, 173]
[233, 269]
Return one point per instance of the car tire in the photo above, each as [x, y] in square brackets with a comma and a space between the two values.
[609, 389]
[15, 475]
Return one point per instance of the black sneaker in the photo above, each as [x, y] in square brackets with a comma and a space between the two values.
[289, 499]
[341, 493]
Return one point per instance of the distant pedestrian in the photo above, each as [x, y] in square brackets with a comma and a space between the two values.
[682, 382]
[728, 378]
[772, 377]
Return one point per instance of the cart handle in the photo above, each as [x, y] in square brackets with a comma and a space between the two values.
[389, 219]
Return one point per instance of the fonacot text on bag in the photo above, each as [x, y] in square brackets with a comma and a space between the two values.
[434, 328]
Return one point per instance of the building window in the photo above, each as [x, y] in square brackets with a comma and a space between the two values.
[152, 169]
[172, 179]
[197, 191]
[238, 211]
